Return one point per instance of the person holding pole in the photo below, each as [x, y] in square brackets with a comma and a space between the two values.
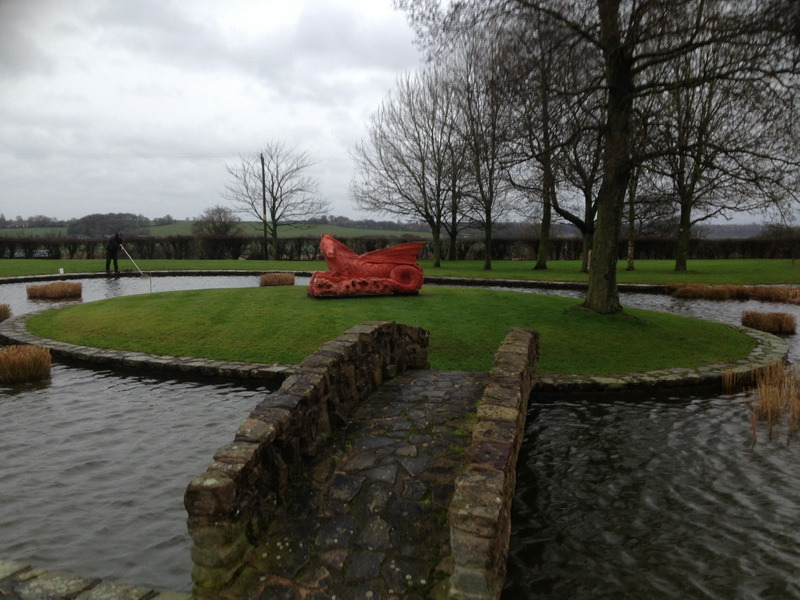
[113, 246]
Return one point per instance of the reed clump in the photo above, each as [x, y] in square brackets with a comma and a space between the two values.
[778, 323]
[24, 363]
[5, 312]
[276, 279]
[786, 295]
[778, 399]
[57, 290]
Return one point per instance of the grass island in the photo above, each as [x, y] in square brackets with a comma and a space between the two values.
[283, 325]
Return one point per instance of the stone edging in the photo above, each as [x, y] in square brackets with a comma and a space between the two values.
[480, 513]
[12, 331]
[769, 350]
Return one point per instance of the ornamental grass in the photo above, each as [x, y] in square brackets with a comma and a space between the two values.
[55, 291]
[19, 364]
[786, 295]
[5, 312]
[276, 279]
[778, 323]
[778, 400]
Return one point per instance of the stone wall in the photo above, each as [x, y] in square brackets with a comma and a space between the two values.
[480, 514]
[231, 503]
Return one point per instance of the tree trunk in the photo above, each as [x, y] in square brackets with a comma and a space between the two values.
[274, 233]
[602, 296]
[436, 235]
[631, 223]
[544, 236]
[453, 230]
[588, 242]
[487, 242]
[684, 231]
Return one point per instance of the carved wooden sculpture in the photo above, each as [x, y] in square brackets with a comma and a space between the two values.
[392, 270]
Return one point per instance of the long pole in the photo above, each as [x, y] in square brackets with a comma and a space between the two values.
[133, 261]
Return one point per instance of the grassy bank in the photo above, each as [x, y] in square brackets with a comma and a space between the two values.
[743, 272]
[283, 325]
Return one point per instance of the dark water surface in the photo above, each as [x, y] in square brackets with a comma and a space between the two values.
[618, 496]
[656, 496]
[93, 465]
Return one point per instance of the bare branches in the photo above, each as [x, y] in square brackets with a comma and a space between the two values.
[274, 186]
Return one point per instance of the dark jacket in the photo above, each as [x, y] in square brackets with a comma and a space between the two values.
[113, 244]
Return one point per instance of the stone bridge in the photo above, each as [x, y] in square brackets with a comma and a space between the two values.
[367, 476]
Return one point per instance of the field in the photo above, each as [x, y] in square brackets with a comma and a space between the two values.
[662, 272]
[248, 228]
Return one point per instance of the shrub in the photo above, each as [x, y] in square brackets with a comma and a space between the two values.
[778, 400]
[769, 322]
[24, 363]
[787, 295]
[55, 291]
[276, 279]
[5, 312]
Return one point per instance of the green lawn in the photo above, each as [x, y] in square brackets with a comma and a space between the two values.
[744, 272]
[282, 324]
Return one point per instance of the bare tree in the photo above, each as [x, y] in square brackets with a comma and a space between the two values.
[409, 163]
[485, 128]
[274, 186]
[726, 147]
[218, 221]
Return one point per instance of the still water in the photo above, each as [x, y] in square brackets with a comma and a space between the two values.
[618, 496]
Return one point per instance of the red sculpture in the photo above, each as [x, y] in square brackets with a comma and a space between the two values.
[392, 270]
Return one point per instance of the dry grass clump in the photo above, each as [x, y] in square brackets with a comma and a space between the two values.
[778, 400]
[786, 295]
[55, 291]
[770, 322]
[5, 312]
[24, 363]
[276, 279]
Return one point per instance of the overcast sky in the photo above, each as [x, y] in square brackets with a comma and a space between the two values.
[138, 105]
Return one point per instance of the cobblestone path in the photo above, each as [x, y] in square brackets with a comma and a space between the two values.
[371, 522]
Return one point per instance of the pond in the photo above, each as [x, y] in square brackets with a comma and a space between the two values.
[663, 496]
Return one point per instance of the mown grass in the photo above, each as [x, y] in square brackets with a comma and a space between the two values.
[712, 272]
[283, 325]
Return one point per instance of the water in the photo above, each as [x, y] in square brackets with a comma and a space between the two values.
[653, 498]
[618, 496]
[657, 497]
[95, 465]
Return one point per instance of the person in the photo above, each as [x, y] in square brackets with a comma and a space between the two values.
[113, 246]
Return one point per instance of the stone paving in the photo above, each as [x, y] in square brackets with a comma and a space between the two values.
[22, 581]
[371, 520]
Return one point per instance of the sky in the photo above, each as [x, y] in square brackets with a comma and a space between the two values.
[138, 106]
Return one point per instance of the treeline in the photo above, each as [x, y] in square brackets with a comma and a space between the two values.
[91, 225]
[783, 244]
